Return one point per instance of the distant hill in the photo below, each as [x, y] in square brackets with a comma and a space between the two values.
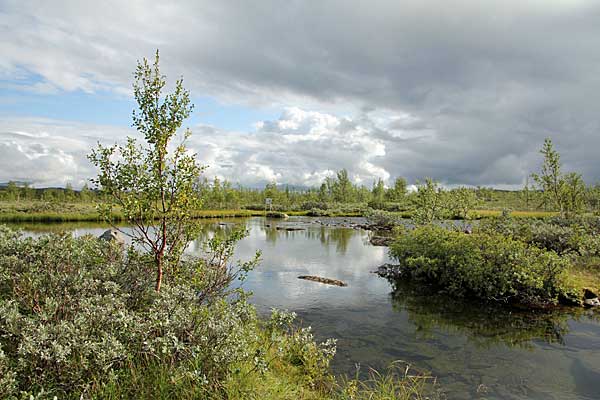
[18, 183]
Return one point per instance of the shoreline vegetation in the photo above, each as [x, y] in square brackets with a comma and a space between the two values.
[44, 211]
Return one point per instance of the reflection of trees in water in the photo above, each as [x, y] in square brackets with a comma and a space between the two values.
[326, 236]
[484, 324]
[208, 230]
[271, 234]
[338, 236]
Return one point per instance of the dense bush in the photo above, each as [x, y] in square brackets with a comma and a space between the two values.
[262, 207]
[311, 205]
[76, 313]
[562, 235]
[381, 220]
[317, 212]
[485, 265]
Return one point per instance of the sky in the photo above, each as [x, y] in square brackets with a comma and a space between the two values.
[291, 91]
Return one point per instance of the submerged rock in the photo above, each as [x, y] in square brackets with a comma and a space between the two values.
[381, 240]
[319, 279]
[113, 235]
[290, 228]
[389, 271]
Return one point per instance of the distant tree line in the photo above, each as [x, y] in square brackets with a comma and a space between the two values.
[550, 190]
[14, 191]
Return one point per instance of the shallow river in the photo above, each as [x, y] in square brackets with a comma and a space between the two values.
[474, 351]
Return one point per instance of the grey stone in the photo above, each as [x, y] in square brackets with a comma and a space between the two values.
[113, 235]
[591, 302]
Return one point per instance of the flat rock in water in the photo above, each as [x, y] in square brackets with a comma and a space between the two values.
[319, 279]
[381, 240]
[290, 228]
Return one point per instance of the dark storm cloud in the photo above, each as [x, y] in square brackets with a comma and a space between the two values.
[463, 91]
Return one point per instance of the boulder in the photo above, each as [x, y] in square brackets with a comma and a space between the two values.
[591, 302]
[113, 235]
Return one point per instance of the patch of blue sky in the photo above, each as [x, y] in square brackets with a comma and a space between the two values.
[30, 95]
[232, 117]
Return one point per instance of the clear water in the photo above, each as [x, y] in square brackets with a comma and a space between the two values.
[475, 351]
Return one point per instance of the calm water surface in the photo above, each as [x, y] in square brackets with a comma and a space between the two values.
[475, 351]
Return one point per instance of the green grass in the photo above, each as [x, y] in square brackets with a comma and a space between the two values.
[43, 212]
[282, 381]
[519, 214]
[585, 273]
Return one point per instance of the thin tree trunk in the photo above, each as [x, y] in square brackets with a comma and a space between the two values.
[159, 272]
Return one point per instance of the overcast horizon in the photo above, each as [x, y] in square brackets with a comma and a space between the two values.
[460, 91]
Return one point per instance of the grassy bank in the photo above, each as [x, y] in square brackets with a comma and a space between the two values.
[40, 212]
[37, 211]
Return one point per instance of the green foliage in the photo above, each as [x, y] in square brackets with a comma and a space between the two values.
[565, 192]
[428, 202]
[377, 194]
[381, 220]
[398, 191]
[400, 382]
[73, 311]
[153, 186]
[342, 187]
[487, 266]
[562, 235]
[460, 202]
[575, 192]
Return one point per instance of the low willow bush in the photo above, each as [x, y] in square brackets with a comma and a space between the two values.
[382, 220]
[580, 235]
[486, 266]
[77, 315]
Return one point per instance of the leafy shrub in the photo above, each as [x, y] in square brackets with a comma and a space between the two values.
[276, 214]
[312, 205]
[317, 212]
[261, 207]
[297, 346]
[73, 310]
[78, 318]
[381, 220]
[562, 235]
[486, 266]
[395, 206]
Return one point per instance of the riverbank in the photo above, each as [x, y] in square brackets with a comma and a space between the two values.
[40, 211]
